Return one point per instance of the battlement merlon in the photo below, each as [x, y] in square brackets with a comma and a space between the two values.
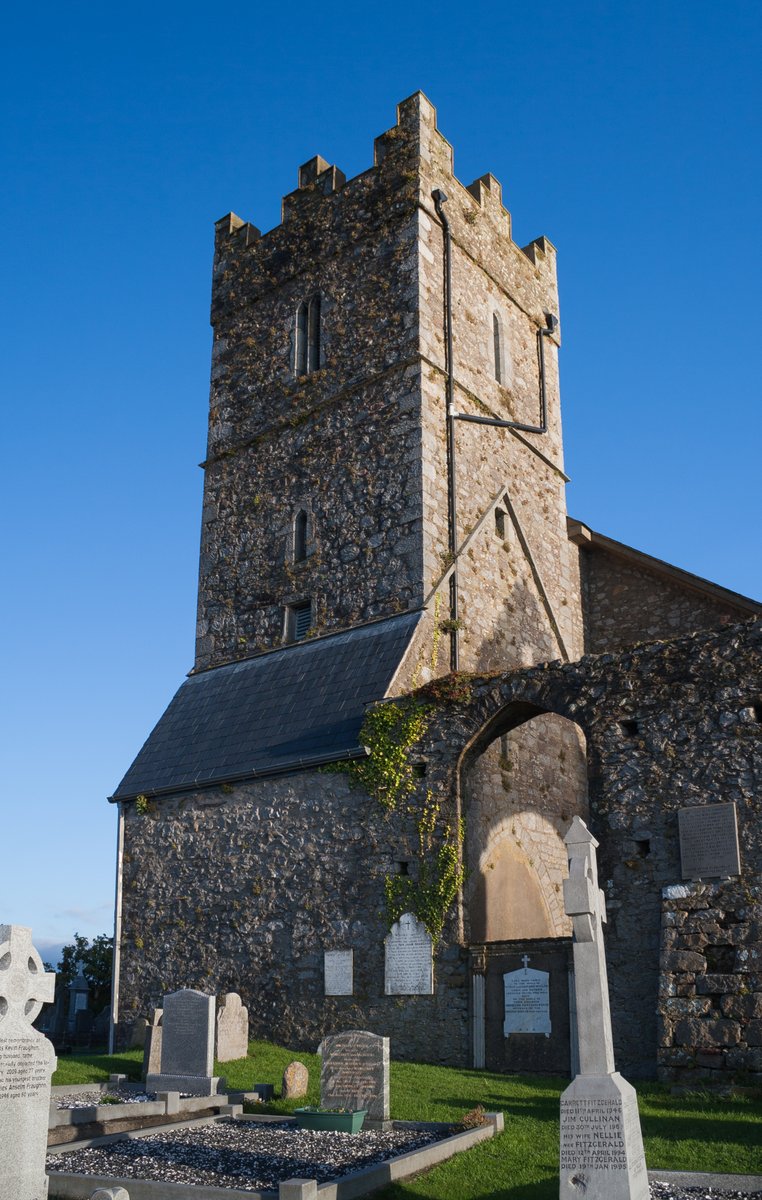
[410, 160]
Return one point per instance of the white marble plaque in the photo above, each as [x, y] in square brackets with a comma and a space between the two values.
[527, 1002]
[408, 966]
[338, 971]
[709, 841]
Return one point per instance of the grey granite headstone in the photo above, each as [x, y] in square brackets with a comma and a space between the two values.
[527, 1001]
[354, 1073]
[152, 1045]
[408, 968]
[709, 841]
[232, 1037]
[27, 1061]
[338, 971]
[601, 1144]
[187, 1045]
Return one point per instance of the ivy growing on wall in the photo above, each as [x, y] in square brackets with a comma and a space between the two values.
[389, 733]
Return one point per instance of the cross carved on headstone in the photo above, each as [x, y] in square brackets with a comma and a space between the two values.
[526, 960]
[24, 983]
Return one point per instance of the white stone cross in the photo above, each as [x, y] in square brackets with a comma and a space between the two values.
[24, 983]
[526, 960]
[585, 903]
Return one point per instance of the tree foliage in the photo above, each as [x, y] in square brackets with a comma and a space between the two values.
[95, 958]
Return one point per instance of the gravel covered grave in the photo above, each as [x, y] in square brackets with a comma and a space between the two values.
[668, 1191]
[90, 1099]
[241, 1154]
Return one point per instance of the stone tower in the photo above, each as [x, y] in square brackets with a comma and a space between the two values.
[326, 489]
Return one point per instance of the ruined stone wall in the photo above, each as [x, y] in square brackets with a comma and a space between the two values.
[710, 998]
[667, 725]
[625, 602]
[243, 889]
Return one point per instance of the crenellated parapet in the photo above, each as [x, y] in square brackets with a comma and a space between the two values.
[325, 209]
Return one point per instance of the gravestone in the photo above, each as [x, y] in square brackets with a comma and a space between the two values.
[115, 1193]
[527, 1001]
[338, 972]
[296, 1080]
[354, 1073]
[709, 841]
[601, 1144]
[232, 1037]
[27, 1061]
[152, 1045]
[408, 968]
[138, 1034]
[187, 1045]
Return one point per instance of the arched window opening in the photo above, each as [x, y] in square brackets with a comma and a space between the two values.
[301, 523]
[302, 326]
[313, 335]
[307, 337]
[497, 340]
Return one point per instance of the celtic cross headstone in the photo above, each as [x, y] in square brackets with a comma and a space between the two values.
[601, 1144]
[27, 1061]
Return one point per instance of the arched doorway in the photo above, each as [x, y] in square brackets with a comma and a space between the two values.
[523, 779]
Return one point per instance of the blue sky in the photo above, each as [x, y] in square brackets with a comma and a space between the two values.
[627, 133]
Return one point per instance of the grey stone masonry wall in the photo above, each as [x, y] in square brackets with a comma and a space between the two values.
[244, 889]
[711, 981]
[626, 602]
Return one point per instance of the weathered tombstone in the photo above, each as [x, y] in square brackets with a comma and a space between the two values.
[115, 1193]
[138, 1034]
[601, 1143]
[527, 1001]
[27, 1061]
[187, 1045]
[232, 1034]
[296, 1080]
[152, 1045]
[408, 969]
[354, 1073]
[338, 972]
[709, 841]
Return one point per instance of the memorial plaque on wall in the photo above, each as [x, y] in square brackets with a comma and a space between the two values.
[709, 841]
[408, 969]
[337, 967]
[527, 1002]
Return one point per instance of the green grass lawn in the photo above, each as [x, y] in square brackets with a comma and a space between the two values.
[693, 1133]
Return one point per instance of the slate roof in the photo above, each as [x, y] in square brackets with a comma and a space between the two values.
[287, 709]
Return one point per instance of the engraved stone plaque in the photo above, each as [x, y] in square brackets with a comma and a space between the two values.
[408, 968]
[527, 1002]
[355, 1073]
[337, 966]
[709, 841]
